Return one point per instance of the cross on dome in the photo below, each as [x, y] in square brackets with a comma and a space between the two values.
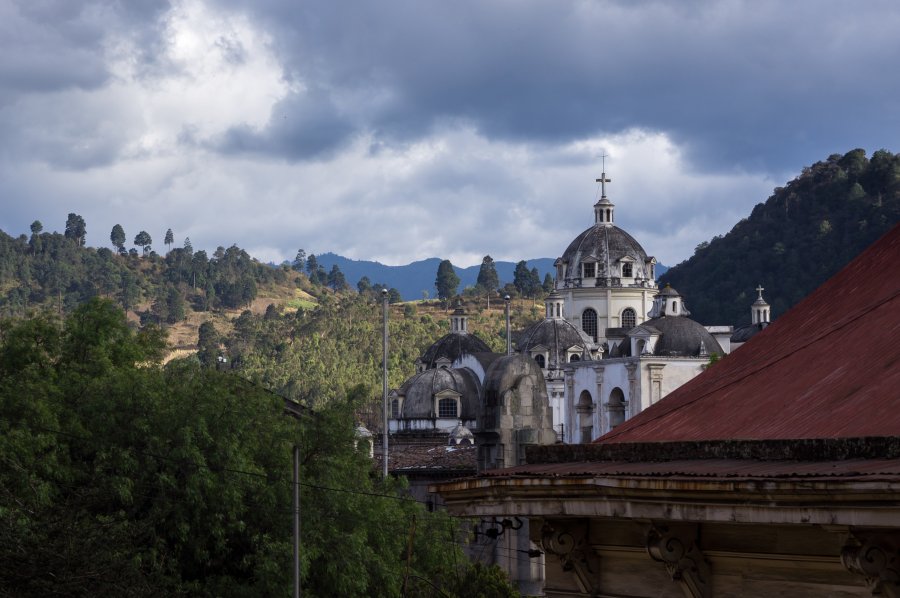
[603, 180]
[760, 289]
[603, 209]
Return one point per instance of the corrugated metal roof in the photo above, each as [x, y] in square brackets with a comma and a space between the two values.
[709, 468]
[828, 368]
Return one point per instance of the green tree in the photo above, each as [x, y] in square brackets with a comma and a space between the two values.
[35, 241]
[548, 283]
[299, 262]
[117, 238]
[144, 241]
[76, 229]
[364, 285]
[487, 275]
[188, 248]
[336, 279]
[125, 477]
[447, 281]
[169, 239]
[312, 265]
[522, 279]
[487, 282]
[207, 344]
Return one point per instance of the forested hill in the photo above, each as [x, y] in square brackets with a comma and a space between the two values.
[792, 243]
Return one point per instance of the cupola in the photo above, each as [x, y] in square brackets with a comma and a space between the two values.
[604, 209]
[759, 311]
[459, 321]
[553, 305]
[668, 302]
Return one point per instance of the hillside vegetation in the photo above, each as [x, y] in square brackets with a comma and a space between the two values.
[803, 234]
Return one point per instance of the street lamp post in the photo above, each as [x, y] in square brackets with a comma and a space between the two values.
[384, 380]
[508, 337]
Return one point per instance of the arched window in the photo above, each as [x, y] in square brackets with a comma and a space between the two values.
[626, 270]
[585, 409]
[616, 406]
[574, 357]
[395, 408]
[447, 408]
[540, 360]
[589, 322]
[629, 319]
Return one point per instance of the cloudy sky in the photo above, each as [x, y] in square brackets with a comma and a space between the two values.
[399, 130]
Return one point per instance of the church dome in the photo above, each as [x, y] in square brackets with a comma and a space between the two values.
[607, 248]
[682, 337]
[451, 346]
[558, 335]
[419, 392]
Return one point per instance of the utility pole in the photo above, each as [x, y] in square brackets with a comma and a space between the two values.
[296, 521]
[508, 337]
[384, 380]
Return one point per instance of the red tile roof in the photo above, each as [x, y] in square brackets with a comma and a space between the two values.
[828, 368]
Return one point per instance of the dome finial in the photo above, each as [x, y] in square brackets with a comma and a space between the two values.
[603, 209]
[603, 180]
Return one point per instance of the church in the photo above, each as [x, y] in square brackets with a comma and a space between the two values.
[611, 344]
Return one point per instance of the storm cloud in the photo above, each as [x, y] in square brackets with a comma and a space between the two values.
[401, 130]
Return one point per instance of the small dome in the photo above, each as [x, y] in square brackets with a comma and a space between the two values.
[451, 346]
[461, 434]
[418, 392]
[682, 337]
[558, 335]
[604, 245]
[363, 432]
[743, 334]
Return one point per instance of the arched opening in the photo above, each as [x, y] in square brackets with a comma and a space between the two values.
[540, 361]
[447, 408]
[629, 318]
[574, 357]
[616, 407]
[585, 409]
[589, 322]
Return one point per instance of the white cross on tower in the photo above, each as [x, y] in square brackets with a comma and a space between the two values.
[760, 289]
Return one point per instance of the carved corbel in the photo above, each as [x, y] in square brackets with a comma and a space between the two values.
[676, 548]
[875, 556]
[567, 541]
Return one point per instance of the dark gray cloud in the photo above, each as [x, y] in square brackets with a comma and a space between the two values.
[756, 85]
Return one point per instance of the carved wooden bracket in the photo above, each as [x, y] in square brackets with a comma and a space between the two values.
[676, 548]
[567, 541]
[876, 556]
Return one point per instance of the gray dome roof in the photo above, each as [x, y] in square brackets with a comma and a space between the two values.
[419, 391]
[453, 345]
[601, 241]
[557, 334]
[745, 333]
[681, 336]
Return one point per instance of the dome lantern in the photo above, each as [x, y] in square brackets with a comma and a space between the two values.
[604, 209]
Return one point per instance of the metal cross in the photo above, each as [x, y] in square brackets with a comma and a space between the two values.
[760, 289]
[603, 180]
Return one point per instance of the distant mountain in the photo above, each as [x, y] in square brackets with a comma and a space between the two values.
[412, 279]
[803, 234]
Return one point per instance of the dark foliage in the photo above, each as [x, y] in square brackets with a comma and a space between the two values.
[802, 235]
